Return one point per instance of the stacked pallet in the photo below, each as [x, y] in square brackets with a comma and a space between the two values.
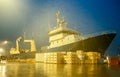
[71, 57]
[39, 57]
[88, 57]
[93, 57]
[54, 57]
[81, 55]
[78, 57]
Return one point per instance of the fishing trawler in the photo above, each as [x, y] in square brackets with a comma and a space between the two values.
[62, 38]
[20, 53]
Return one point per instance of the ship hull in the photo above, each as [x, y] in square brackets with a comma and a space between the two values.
[27, 55]
[95, 44]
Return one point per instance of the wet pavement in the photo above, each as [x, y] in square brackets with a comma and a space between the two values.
[14, 69]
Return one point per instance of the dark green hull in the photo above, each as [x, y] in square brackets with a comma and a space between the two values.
[27, 55]
[95, 44]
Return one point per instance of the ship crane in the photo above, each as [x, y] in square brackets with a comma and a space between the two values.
[17, 49]
[32, 44]
[17, 44]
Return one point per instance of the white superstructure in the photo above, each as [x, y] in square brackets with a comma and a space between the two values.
[61, 34]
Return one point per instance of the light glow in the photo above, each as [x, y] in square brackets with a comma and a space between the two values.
[5, 42]
[1, 49]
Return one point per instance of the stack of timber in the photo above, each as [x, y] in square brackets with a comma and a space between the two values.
[39, 57]
[54, 57]
[81, 55]
[71, 57]
[78, 57]
[93, 57]
[88, 57]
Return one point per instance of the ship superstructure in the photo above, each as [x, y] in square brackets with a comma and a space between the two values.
[61, 34]
[62, 38]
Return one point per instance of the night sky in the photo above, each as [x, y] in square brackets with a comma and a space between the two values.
[33, 17]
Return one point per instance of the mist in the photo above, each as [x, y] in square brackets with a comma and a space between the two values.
[34, 17]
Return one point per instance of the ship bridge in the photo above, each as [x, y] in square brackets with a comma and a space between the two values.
[61, 34]
[62, 30]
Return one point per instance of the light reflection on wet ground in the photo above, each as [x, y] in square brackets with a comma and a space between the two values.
[58, 70]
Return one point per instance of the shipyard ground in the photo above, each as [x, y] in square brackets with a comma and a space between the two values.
[21, 69]
[78, 57]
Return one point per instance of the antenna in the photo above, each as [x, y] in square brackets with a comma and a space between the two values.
[75, 27]
[24, 36]
[66, 24]
[58, 18]
[49, 22]
[32, 35]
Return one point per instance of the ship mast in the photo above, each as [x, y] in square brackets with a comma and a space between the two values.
[49, 28]
[60, 22]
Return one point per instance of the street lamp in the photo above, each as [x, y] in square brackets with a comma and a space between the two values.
[5, 42]
[1, 49]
